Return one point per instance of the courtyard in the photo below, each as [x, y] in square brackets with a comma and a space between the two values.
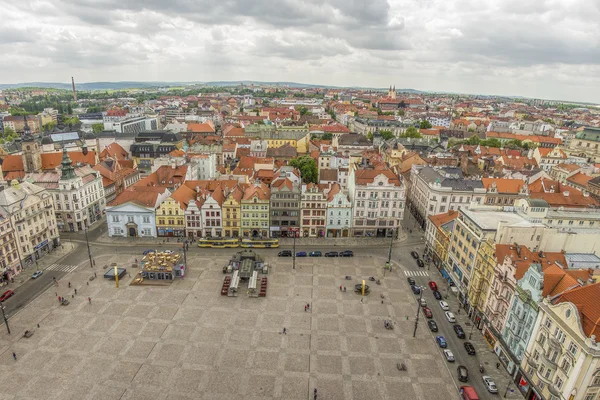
[186, 341]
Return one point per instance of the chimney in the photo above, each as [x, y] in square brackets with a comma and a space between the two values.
[74, 92]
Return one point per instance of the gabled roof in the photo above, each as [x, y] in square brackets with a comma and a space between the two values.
[183, 195]
[165, 176]
[114, 150]
[200, 128]
[510, 186]
[586, 299]
[442, 219]
[49, 160]
[261, 191]
[579, 179]
[145, 196]
[368, 175]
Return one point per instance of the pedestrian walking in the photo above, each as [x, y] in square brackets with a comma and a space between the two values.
[497, 365]
[75, 291]
[344, 289]
[15, 356]
[38, 326]
[59, 299]
[95, 275]
[284, 331]
[69, 284]
[304, 308]
[340, 288]
[90, 300]
[308, 306]
[361, 300]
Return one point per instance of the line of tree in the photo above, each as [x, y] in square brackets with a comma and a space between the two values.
[307, 167]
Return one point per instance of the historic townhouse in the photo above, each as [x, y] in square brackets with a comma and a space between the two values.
[255, 210]
[133, 212]
[437, 235]
[285, 203]
[481, 280]
[378, 196]
[10, 265]
[211, 203]
[562, 360]
[30, 209]
[232, 212]
[314, 210]
[339, 212]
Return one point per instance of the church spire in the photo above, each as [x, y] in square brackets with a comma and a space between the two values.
[26, 131]
[68, 172]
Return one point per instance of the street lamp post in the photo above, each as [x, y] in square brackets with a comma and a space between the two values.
[88, 248]
[418, 309]
[294, 253]
[507, 387]
[4, 316]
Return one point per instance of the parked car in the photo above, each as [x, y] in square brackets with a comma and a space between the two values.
[301, 254]
[433, 285]
[411, 281]
[347, 253]
[36, 274]
[432, 325]
[416, 289]
[6, 295]
[315, 254]
[331, 254]
[469, 348]
[463, 373]
[489, 384]
[449, 356]
[285, 253]
[444, 305]
[420, 263]
[441, 341]
[437, 295]
[450, 317]
[459, 331]
[414, 255]
[427, 312]
[423, 303]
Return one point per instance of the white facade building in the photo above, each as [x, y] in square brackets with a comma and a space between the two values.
[30, 209]
[339, 213]
[133, 212]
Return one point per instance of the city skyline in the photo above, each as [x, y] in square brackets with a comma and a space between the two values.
[548, 50]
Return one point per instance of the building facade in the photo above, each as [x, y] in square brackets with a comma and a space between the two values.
[30, 209]
[232, 213]
[284, 207]
[170, 219]
[10, 264]
[378, 197]
[314, 210]
[339, 213]
[255, 210]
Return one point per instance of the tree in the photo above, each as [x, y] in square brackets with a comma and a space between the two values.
[8, 132]
[386, 134]
[307, 167]
[97, 128]
[49, 126]
[473, 140]
[303, 110]
[493, 142]
[411, 132]
[425, 124]
[71, 121]
[327, 136]
[95, 109]
[69, 109]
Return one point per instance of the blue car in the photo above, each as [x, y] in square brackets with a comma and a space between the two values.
[301, 254]
[441, 341]
[416, 289]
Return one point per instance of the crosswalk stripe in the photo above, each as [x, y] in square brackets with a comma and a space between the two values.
[62, 268]
[416, 273]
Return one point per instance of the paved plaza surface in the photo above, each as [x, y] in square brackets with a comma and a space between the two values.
[186, 341]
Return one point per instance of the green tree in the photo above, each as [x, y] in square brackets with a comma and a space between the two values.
[425, 124]
[473, 140]
[71, 121]
[95, 109]
[303, 110]
[370, 136]
[9, 132]
[411, 132]
[386, 134]
[327, 136]
[49, 126]
[97, 128]
[307, 167]
[493, 142]
[69, 109]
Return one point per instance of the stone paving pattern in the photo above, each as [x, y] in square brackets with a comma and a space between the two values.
[186, 341]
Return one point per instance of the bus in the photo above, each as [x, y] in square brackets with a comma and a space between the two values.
[218, 243]
[260, 243]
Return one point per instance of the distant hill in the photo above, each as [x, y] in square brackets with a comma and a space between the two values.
[146, 85]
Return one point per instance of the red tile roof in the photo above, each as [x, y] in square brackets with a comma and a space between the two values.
[587, 301]
[511, 186]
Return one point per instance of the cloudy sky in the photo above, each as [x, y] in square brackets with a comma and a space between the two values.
[535, 48]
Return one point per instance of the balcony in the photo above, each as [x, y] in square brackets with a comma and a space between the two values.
[532, 363]
[555, 390]
[547, 381]
[555, 342]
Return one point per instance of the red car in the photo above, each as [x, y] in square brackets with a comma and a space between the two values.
[6, 295]
[427, 312]
[432, 285]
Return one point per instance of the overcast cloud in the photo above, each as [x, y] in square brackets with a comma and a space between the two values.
[534, 48]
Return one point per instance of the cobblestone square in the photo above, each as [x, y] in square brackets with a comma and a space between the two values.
[186, 341]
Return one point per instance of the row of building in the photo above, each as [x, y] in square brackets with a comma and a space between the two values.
[527, 276]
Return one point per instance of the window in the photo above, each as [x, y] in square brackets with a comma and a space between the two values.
[559, 382]
[115, 218]
[129, 218]
[565, 366]
[146, 219]
[572, 348]
[548, 323]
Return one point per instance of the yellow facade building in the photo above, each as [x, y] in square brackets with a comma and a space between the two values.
[170, 219]
[232, 212]
[481, 279]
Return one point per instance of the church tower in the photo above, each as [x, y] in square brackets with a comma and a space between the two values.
[32, 157]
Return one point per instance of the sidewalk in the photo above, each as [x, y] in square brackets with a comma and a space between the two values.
[312, 242]
[43, 263]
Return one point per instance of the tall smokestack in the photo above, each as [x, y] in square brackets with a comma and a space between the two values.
[74, 92]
